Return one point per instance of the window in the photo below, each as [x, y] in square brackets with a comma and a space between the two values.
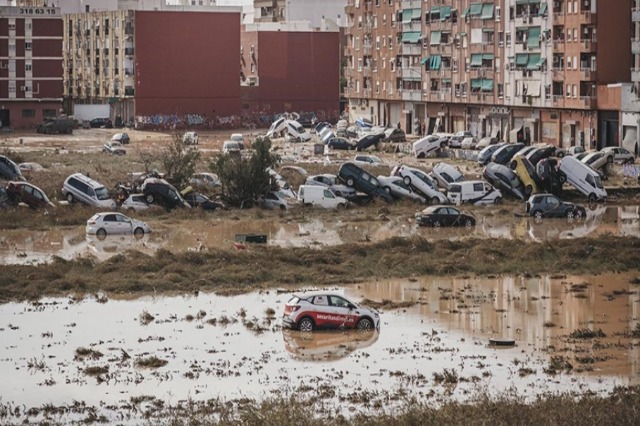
[27, 45]
[575, 62]
[507, 37]
[575, 34]
[27, 67]
[478, 187]
[574, 89]
[568, 90]
[28, 113]
[498, 11]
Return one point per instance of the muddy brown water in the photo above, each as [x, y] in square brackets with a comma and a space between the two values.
[24, 246]
[231, 347]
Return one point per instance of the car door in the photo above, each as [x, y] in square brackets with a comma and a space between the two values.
[124, 224]
[552, 207]
[449, 216]
[341, 315]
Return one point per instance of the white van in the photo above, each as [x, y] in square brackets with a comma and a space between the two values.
[427, 145]
[583, 178]
[296, 132]
[475, 192]
[319, 196]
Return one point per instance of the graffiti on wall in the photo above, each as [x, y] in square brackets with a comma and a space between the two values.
[250, 120]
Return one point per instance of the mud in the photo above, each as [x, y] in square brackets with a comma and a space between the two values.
[99, 351]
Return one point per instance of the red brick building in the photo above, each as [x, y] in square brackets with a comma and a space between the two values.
[30, 65]
[290, 71]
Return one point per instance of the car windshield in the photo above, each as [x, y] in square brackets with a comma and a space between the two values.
[102, 193]
[515, 182]
[598, 182]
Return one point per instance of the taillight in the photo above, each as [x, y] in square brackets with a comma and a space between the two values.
[291, 308]
[93, 222]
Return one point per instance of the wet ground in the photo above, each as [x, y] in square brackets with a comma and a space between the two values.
[24, 246]
[572, 334]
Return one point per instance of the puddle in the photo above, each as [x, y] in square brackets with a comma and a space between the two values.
[205, 346]
[23, 247]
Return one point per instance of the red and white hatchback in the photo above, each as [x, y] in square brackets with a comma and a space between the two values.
[308, 312]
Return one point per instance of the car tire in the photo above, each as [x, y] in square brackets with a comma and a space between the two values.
[592, 198]
[436, 224]
[406, 180]
[131, 210]
[528, 190]
[631, 160]
[283, 207]
[306, 324]
[498, 200]
[101, 234]
[434, 201]
[350, 182]
[365, 324]
[610, 159]
[560, 154]
[149, 198]
[387, 190]
[341, 206]
[562, 178]
[577, 214]
[421, 155]
[513, 165]
[70, 198]
[468, 223]
[570, 214]
[138, 233]
[69, 130]
[537, 214]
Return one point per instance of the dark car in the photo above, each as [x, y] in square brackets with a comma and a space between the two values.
[101, 122]
[205, 203]
[437, 216]
[9, 170]
[505, 179]
[505, 153]
[549, 205]
[159, 191]
[57, 125]
[357, 178]
[539, 153]
[32, 196]
[368, 141]
[485, 154]
[340, 143]
[394, 135]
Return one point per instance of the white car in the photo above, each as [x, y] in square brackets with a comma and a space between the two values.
[308, 312]
[109, 223]
[446, 174]
[232, 146]
[26, 168]
[135, 203]
[596, 160]
[237, 137]
[469, 143]
[618, 154]
[113, 147]
[330, 181]
[368, 159]
[277, 200]
[427, 145]
[205, 179]
[395, 186]
[190, 138]
[419, 180]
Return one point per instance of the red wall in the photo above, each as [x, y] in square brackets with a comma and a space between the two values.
[47, 28]
[298, 71]
[186, 63]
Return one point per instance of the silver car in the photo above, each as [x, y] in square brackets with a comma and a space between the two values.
[110, 223]
[446, 174]
[395, 186]
[331, 181]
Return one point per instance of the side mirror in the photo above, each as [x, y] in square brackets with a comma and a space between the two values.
[351, 306]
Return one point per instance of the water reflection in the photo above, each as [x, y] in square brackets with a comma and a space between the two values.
[326, 346]
[19, 246]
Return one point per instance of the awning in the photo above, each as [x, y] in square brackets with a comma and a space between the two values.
[465, 13]
[435, 37]
[475, 9]
[463, 34]
[435, 10]
[446, 80]
[532, 62]
[487, 11]
[476, 60]
[521, 59]
[533, 39]
[411, 37]
[445, 13]
[541, 62]
[487, 85]
[417, 14]
[487, 30]
[487, 56]
[407, 15]
[476, 83]
[543, 9]
[435, 62]
[424, 60]
[412, 78]
[630, 138]
[495, 132]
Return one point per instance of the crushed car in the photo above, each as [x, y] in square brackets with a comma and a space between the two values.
[440, 216]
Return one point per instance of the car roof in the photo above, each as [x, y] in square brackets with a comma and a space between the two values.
[318, 293]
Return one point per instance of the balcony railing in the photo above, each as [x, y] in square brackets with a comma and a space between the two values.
[366, 71]
[366, 93]
[588, 17]
[588, 101]
[635, 15]
[588, 73]
[411, 72]
[411, 49]
[411, 94]
[635, 46]
[635, 74]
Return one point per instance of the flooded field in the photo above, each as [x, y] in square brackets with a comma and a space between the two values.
[572, 334]
[24, 246]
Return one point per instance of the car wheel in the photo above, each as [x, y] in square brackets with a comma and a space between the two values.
[70, 198]
[387, 190]
[631, 160]
[562, 178]
[443, 145]
[436, 224]
[421, 155]
[537, 214]
[406, 180]
[513, 165]
[468, 223]
[350, 182]
[138, 233]
[528, 190]
[498, 200]
[610, 159]
[341, 206]
[283, 207]
[560, 154]
[592, 198]
[69, 130]
[577, 214]
[365, 324]
[131, 210]
[570, 214]
[149, 198]
[101, 234]
[306, 324]
[435, 200]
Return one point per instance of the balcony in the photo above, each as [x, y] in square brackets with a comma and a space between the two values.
[411, 49]
[366, 71]
[128, 51]
[412, 26]
[558, 45]
[410, 94]
[558, 101]
[411, 4]
[589, 102]
[635, 74]
[366, 49]
[635, 46]
[129, 91]
[635, 15]
[442, 95]
[558, 18]
[588, 45]
[588, 17]
[366, 93]
[411, 73]
[587, 74]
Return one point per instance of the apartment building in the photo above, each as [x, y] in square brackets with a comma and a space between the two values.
[30, 64]
[152, 65]
[514, 69]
